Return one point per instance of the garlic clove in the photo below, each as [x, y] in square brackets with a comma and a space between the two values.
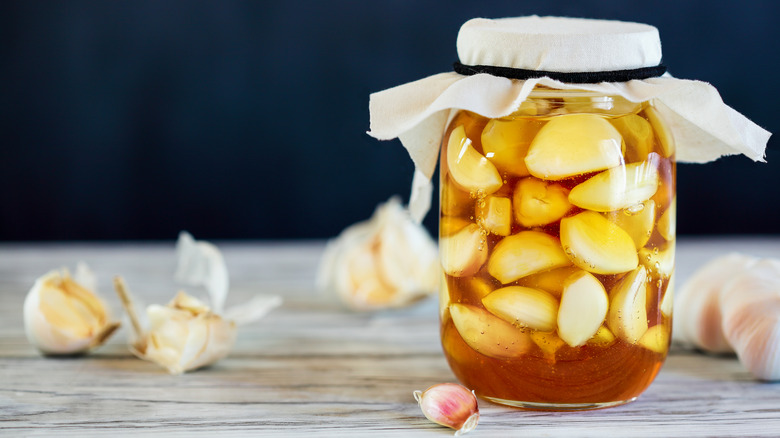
[574, 144]
[63, 317]
[494, 214]
[525, 253]
[551, 281]
[450, 405]
[627, 316]
[478, 287]
[583, 308]
[602, 338]
[523, 306]
[463, 253]
[549, 343]
[637, 220]
[487, 334]
[468, 168]
[638, 135]
[656, 339]
[667, 223]
[505, 143]
[658, 261]
[539, 202]
[597, 245]
[449, 225]
[750, 304]
[698, 317]
[388, 261]
[618, 187]
[667, 302]
[663, 135]
[454, 201]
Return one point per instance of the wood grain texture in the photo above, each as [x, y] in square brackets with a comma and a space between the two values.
[311, 368]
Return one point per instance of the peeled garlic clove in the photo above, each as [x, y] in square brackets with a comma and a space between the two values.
[487, 334]
[602, 338]
[525, 253]
[450, 405]
[468, 168]
[63, 317]
[551, 281]
[387, 261]
[656, 339]
[627, 316]
[638, 135]
[454, 201]
[539, 202]
[619, 187]
[597, 245]
[750, 304]
[185, 335]
[463, 253]
[637, 220]
[662, 133]
[523, 306]
[583, 308]
[667, 302]
[574, 144]
[505, 143]
[658, 261]
[494, 214]
[698, 317]
[549, 343]
[667, 223]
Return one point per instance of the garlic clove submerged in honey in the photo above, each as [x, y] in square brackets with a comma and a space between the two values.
[64, 316]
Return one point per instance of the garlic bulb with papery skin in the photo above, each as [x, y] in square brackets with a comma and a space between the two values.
[450, 405]
[64, 316]
[751, 318]
[697, 316]
[387, 261]
[185, 335]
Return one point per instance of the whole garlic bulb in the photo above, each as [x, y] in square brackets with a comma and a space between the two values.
[698, 308]
[751, 318]
[184, 335]
[387, 261]
[63, 316]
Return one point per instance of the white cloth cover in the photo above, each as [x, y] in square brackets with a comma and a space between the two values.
[704, 128]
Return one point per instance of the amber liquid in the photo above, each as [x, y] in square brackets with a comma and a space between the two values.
[555, 376]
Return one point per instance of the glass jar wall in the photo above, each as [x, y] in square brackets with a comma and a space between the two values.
[557, 231]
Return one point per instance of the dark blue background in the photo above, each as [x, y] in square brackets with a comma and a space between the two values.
[241, 119]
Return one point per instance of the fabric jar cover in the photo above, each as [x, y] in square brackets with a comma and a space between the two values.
[417, 113]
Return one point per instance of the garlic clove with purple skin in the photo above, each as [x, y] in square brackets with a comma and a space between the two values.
[450, 405]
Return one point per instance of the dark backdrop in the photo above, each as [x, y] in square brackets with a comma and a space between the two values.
[247, 119]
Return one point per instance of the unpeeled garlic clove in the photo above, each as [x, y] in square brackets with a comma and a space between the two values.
[450, 405]
[387, 261]
[62, 316]
[750, 305]
[185, 335]
[697, 318]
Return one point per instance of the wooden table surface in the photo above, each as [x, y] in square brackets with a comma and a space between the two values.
[311, 368]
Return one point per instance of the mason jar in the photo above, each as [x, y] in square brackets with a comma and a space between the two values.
[557, 234]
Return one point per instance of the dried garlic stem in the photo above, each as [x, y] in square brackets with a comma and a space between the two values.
[127, 303]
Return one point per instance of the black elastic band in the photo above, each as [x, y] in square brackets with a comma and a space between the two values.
[573, 77]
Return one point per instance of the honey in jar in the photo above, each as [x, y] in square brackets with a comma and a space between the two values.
[557, 248]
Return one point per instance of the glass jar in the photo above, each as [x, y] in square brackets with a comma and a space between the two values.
[557, 232]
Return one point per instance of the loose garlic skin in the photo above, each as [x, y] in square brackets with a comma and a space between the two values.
[450, 405]
[185, 335]
[62, 317]
[387, 261]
